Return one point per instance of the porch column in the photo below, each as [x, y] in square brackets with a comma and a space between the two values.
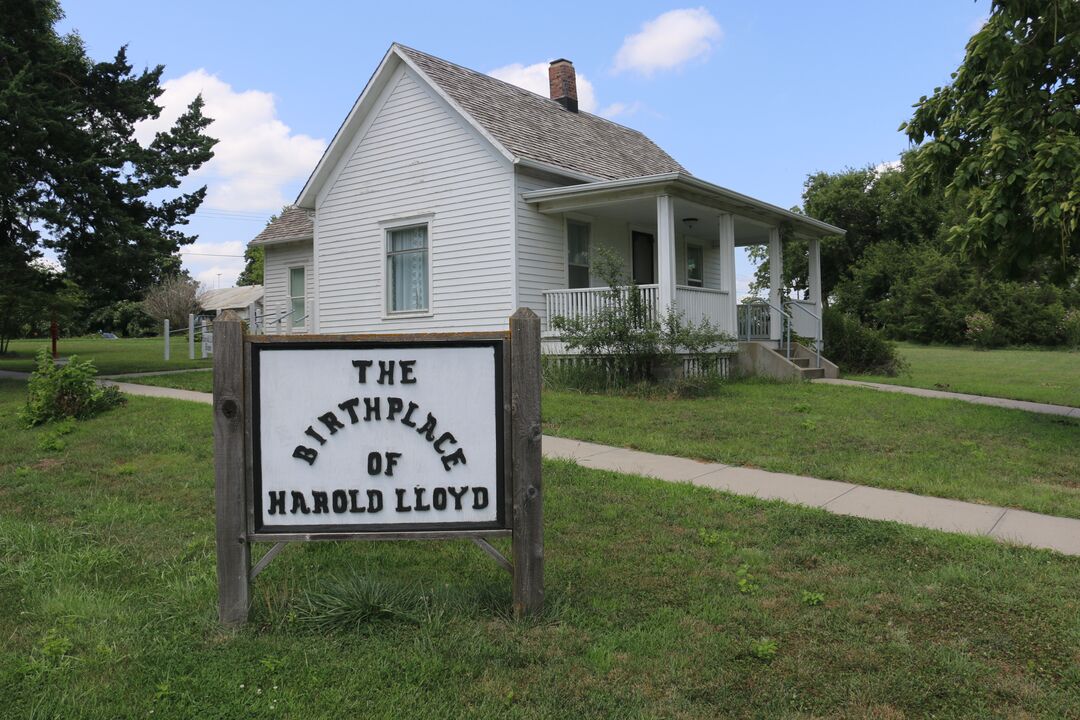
[665, 252]
[776, 281]
[729, 319]
[813, 279]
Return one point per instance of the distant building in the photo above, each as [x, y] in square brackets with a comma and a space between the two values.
[239, 299]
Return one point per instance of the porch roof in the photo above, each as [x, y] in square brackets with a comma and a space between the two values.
[579, 197]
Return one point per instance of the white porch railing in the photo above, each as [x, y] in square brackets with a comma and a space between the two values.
[583, 302]
[698, 303]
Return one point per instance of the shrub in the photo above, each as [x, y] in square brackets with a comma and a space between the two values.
[858, 349]
[65, 391]
[125, 317]
[174, 299]
[981, 330]
[1070, 328]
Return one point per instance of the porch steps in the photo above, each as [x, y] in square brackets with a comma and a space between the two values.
[803, 365]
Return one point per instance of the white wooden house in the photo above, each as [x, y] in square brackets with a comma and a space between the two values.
[448, 198]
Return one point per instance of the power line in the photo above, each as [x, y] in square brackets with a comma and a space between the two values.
[182, 252]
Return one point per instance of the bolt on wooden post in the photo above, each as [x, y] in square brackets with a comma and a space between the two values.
[233, 551]
[526, 434]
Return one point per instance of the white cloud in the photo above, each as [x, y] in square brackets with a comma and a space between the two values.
[534, 78]
[616, 109]
[256, 155]
[669, 41]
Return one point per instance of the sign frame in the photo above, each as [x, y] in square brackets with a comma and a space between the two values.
[254, 346]
[519, 435]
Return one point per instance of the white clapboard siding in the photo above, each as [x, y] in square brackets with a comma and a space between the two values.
[417, 157]
[279, 259]
[541, 248]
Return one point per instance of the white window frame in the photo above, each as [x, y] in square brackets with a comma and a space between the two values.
[587, 222]
[686, 262]
[292, 320]
[385, 227]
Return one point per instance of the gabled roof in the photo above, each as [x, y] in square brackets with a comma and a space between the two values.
[534, 127]
[231, 298]
[524, 127]
[294, 223]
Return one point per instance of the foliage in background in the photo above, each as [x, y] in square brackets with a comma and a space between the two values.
[254, 261]
[55, 392]
[73, 176]
[856, 348]
[981, 330]
[627, 341]
[1003, 140]
[174, 299]
[125, 318]
[31, 295]
[1070, 328]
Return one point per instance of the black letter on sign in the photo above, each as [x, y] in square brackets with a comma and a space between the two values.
[350, 406]
[340, 501]
[458, 456]
[277, 502]
[354, 506]
[391, 461]
[305, 453]
[420, 506]
[372, 408]
[374, 500]
[405, 420]
[310, 432]
[428, 428]
[362, 365]
[298, 503]
[478, 493]
[401, 506]
[458, 493]
[406, 372]
[320, 501]
[393, 407]
[331, 422]
[374, 463]
[438, 498]
[444, 438]
[386, 372]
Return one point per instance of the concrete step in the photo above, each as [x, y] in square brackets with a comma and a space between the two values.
[809, 373]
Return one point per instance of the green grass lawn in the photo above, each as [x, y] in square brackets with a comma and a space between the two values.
[125, 355]
[932, 447]
[664, 601]
[198, 380]
[1047, 376]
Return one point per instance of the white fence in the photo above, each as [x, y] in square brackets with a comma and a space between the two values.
[695, 303]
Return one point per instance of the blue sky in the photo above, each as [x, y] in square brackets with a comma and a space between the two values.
[751, 95]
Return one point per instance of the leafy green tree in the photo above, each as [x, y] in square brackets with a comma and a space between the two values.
[254, 260]
[73, 177]
[873, 205]
[1003, 139]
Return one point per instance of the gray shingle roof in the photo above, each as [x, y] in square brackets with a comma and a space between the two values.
[537, 128]
[294, 223]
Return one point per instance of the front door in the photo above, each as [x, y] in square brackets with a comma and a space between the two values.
[644, 246]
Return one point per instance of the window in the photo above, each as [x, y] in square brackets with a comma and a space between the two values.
[407, 269]
[695, 261]
[577, 254]
[296, 296]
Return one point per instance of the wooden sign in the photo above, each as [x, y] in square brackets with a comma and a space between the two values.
[351, 437]
[377, 437]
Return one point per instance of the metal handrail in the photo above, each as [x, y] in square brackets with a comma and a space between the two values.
[819, 340]
[785, 329]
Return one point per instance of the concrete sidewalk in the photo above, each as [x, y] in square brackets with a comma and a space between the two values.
[1004, 524]
[1044, 408]
[1008, 525]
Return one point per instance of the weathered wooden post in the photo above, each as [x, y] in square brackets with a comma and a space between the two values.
[526, 433]
[233, 551]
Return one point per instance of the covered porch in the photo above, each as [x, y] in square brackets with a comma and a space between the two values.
[676, 237]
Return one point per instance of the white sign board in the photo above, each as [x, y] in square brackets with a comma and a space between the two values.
[377, 436]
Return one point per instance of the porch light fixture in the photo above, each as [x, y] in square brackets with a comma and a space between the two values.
[689, 222]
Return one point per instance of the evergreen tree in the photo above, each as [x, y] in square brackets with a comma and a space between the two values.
[73, 177]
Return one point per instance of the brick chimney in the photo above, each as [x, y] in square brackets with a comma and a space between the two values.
[562, 81]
